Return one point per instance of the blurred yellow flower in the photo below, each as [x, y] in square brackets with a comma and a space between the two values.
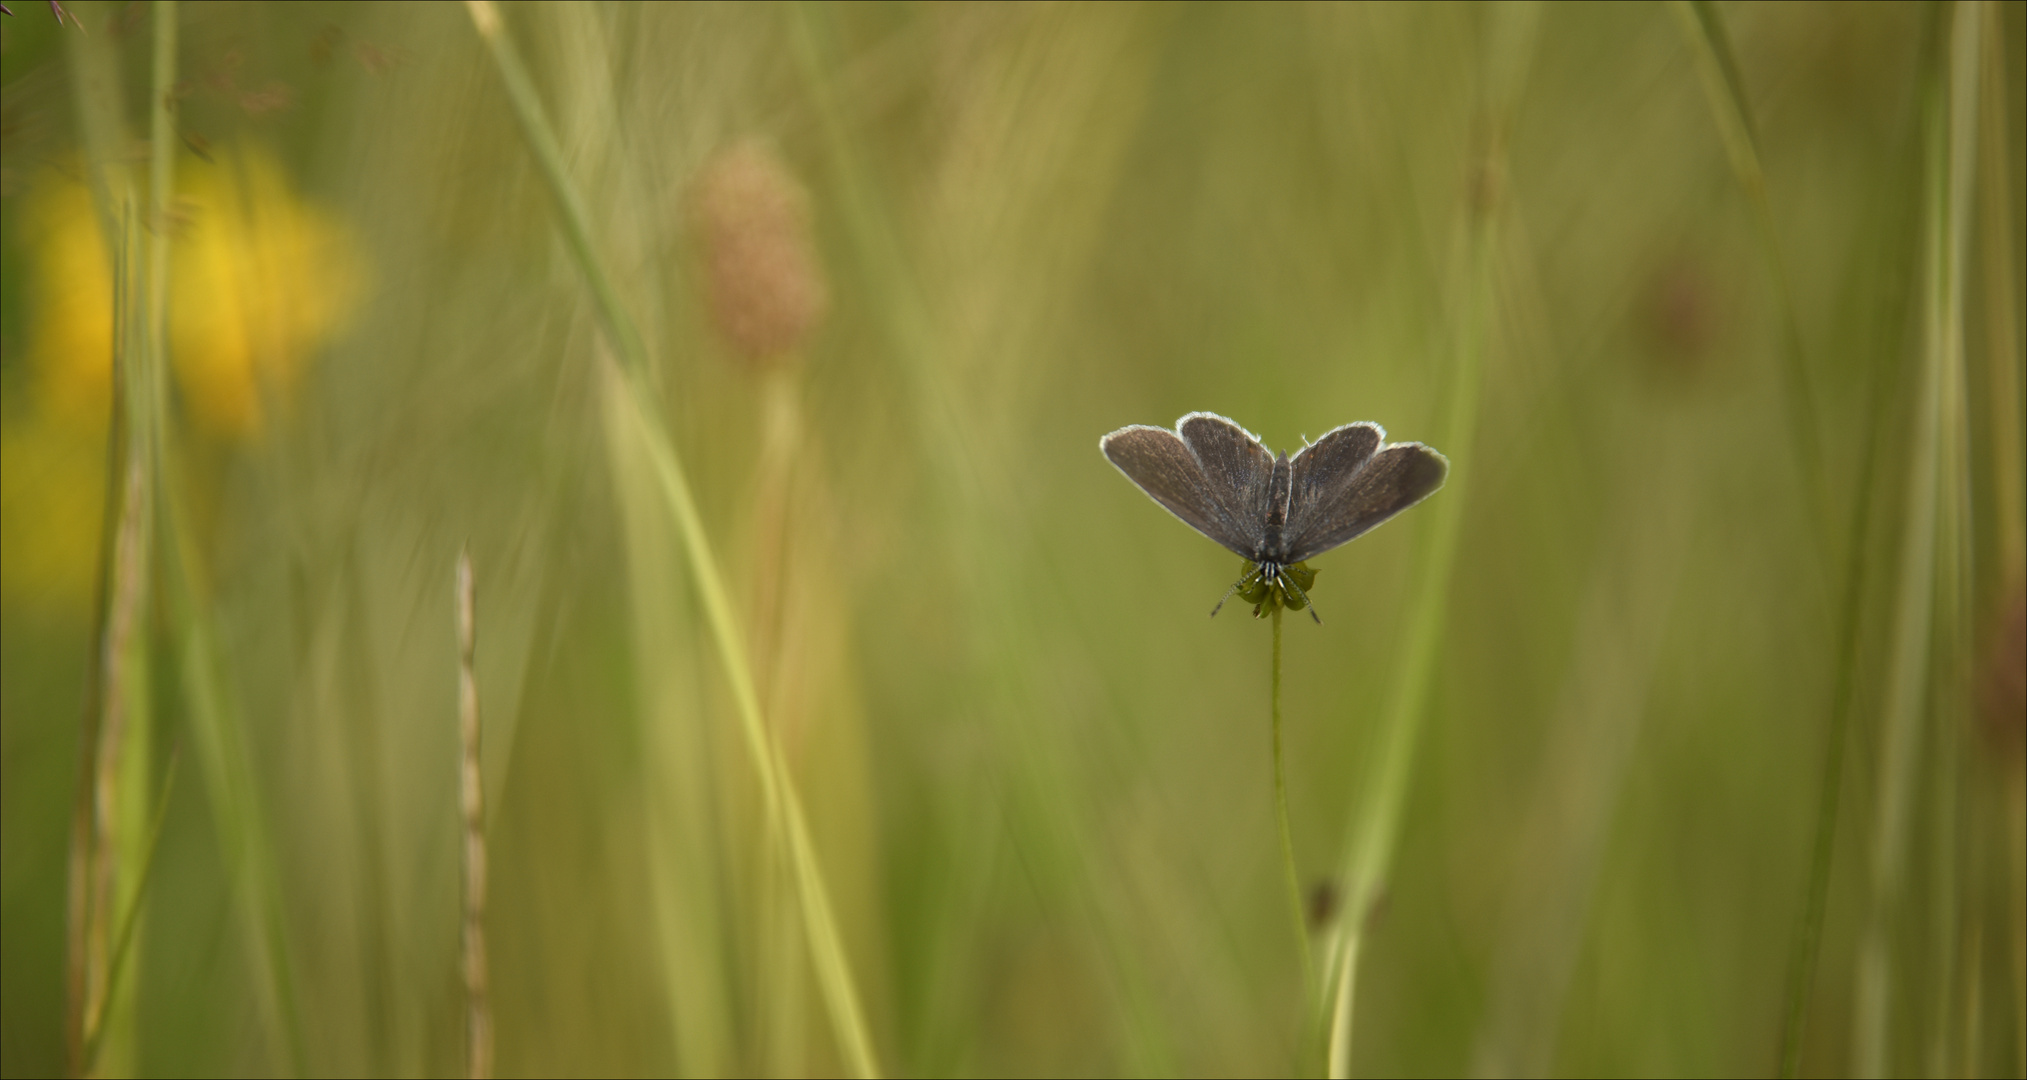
[52, 473]
[260, 279]
[69, 301]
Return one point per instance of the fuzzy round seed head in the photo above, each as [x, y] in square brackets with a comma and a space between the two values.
[765, 284]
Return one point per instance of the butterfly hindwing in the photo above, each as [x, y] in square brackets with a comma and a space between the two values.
[1329, 509]
[1324, 473]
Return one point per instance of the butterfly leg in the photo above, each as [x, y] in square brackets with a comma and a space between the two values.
[1289, 582]
[1243, 578]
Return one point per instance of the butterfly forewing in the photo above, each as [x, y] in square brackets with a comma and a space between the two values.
[1162, 465]
[1335, 513]
[1240, 471]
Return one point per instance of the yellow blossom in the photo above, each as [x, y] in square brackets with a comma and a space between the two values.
[260, 279]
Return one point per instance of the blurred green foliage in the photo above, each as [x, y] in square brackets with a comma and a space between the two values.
[1037, 777]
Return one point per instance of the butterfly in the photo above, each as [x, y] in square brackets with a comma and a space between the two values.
[1275, 512]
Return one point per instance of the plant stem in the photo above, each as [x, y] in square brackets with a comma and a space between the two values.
[95, 89]
[1376, 818]
[1912, 673]
[1703, 26]
[1281, 814]
[1809, 934]
[472, 803]
[782, 806]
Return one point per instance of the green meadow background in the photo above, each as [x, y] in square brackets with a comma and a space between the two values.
[843, 709]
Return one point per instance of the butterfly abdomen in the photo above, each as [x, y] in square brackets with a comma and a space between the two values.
[1274, 547]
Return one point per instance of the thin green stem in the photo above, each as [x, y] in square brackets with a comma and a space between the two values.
[1809, 934]
[1703, 26]
[122, 944]
[472, 807]
[782, 806]
[109, 835]
[1281, 814]
[1927, 544]
[95, 90]
[1375, 822]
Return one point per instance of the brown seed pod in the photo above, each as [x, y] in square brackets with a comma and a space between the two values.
[765, 284]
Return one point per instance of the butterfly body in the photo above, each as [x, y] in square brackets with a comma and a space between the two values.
[1270, 509]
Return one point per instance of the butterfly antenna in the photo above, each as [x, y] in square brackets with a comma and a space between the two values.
[1310, 604]
[1229, 592]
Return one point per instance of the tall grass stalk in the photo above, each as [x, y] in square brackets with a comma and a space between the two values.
[782, 805]
[2007, 454]
[1724, 87]
[237, 805]
[472, 812]
[1376, 817]
[130, 924]
[2002, 310]
[122, 697]
[692, 924]
[109, 837]
[127, 739]
[1281, 818]
[778, 792]
[1952, 119]
[1050, 100]
[1955, 559]
[781, 968]
[125, 520]
[221, 748]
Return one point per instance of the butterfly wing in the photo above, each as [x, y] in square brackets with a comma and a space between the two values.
[1349, 482]
[1324, 471]
[1209, 472]
[1240, 469]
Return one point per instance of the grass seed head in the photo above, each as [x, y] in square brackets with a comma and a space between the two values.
[765, 284]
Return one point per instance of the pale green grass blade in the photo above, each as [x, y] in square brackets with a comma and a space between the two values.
[777, 790]
[130, 923]
[1064, 88]
[2006, 518]
[1704, 29]
[95, 94]
[1931, 481]
[1375, 822]
[1293, 882]
[108, 838]
[1703, 26]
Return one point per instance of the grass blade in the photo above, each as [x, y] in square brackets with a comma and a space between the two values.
[1703, 25]
[1951, 156]
[472, 808]
[1294, 885]
[778, 795]
[110, 817]
[1376, 818]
